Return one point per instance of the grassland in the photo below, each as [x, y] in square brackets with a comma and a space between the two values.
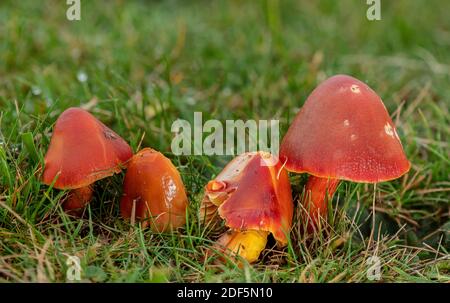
[139, 65]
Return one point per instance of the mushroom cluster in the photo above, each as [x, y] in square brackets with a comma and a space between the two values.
[83, 150]
[342, 132]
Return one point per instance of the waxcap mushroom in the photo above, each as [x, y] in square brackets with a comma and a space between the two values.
[342, 132]
[251, 196]
[153, 192]
[82, 150]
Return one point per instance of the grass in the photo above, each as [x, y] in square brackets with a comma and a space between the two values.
[139, 65]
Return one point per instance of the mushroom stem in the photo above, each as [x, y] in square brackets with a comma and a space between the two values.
[247, 244]
[78, 198]
[318, 192]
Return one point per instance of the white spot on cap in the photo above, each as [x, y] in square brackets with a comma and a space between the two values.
[396, 135]
[355, 89]
[389, 130]
[353, 137]
[346, 122]
[170, 189]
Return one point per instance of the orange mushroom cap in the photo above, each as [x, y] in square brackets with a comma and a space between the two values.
[344, 131]
[250, 195]
[154, 188]
[83, 150]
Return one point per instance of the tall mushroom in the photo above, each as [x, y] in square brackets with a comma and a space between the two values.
[253, 195]
[82, 151]
[342, 132]
[153, 192]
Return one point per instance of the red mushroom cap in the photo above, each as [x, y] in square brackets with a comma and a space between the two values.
[154, 188]
[344, 131]
[83, 150]
[252, 195]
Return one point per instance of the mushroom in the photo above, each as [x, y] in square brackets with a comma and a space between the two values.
[253, 195]
[153, 192]
[246, 244]
[342, 132]
[82, 151]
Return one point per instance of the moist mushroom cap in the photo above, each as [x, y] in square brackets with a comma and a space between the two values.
[258, 195]
[154, 188]
[83, 150]
[344, 131]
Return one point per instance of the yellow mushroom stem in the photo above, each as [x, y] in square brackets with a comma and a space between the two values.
[247, 244]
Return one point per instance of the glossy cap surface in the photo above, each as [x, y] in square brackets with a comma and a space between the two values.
[344, 131]
[154, 188]
[252, 193]
[83, 150]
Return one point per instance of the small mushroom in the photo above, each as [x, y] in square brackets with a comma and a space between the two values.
[153, 192]
[253, 195]
[342, 132]
[82, 151]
